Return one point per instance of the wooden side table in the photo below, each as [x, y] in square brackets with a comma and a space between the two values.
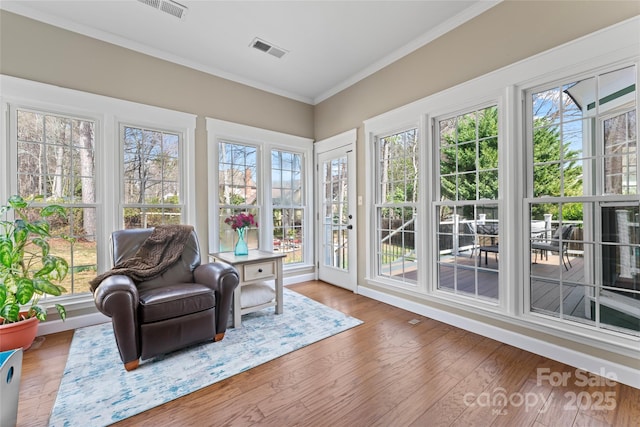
[254, 267]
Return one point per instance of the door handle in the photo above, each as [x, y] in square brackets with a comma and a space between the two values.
[349, 227]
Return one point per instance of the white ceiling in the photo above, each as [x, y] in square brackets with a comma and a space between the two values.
[331, 44]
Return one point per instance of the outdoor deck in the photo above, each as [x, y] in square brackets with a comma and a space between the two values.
[545, 295]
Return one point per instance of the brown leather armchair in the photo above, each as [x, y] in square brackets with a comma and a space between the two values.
[188, 303]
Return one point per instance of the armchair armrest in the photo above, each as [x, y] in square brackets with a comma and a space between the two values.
[218, 276]
[114, 294]
[117, 297]
[223, 279]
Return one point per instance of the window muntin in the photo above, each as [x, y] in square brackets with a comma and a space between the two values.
[561, 147]
[335, 212]
[397, 205]
[151, 182]
[466, 212]
[237, 190]
[55, 159]
[555, 286]
[288, 204]
[620, 154]
[469, 155]
[619, 296]
[584, 151]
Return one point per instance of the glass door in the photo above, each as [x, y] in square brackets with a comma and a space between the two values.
[337, 217]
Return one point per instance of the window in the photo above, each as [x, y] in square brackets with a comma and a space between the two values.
[237, 190]
[55, 159]
[110, 163]
[532, 207]
[397, 170]
[151, 163]
[288, 204]
[467, 214]
[261, 172]
[586, 259]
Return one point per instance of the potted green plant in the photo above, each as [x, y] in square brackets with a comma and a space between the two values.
[28, 270]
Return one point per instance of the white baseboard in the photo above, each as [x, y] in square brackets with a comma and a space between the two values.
[299, 278]
[72, 322]
[623, 374]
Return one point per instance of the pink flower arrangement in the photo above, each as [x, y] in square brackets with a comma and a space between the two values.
[241, 220]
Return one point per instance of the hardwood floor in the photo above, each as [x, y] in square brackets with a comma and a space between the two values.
[386, 372]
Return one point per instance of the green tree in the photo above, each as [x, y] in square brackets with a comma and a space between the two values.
[467, 176]
[469, 157]
[557, 171]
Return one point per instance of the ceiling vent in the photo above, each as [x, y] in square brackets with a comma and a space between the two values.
[269, 48]
[167, 6]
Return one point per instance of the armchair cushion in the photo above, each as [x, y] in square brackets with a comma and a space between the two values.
[166, 302]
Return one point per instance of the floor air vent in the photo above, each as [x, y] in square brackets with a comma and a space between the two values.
[167, 6]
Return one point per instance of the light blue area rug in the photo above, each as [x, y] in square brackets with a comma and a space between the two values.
[96, 390]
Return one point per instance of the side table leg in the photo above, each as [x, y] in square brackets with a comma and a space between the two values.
[237, 309]
[279, 285]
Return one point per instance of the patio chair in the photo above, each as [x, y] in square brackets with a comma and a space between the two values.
[559, 243]
[485, 233]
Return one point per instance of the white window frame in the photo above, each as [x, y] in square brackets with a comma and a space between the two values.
[258, 207]
[304, 176]
[265, 140]
[376, 128]
[181, 185]
[378, 204]
[107, 113]
[13, 111]
[504, 223]
[598, 200]
[608, 48]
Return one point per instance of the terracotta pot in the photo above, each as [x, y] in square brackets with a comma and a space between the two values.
[19, 334]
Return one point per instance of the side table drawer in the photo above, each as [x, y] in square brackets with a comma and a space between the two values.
[259, 271]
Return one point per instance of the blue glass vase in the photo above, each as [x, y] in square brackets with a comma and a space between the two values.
[241, 245]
